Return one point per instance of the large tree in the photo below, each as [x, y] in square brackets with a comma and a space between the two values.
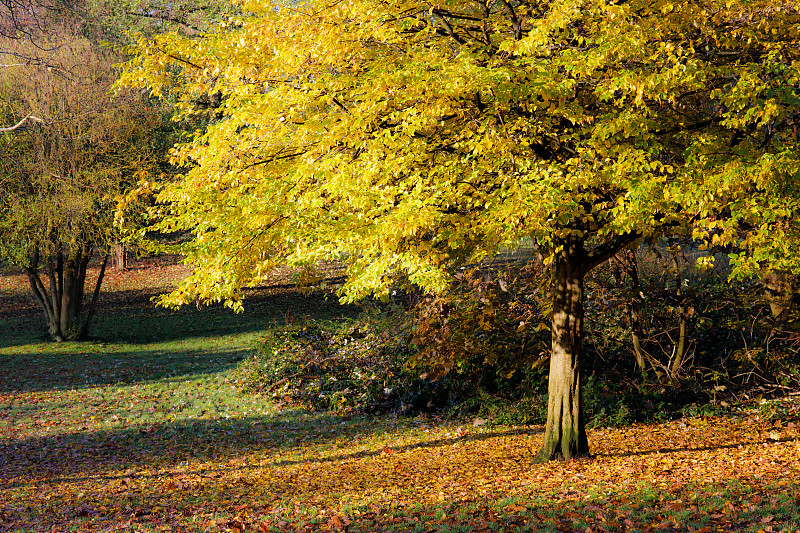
[409, 137]
[74, 148]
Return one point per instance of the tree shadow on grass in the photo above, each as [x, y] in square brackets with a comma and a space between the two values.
[83, 456]
[29, 372]
[137, 323]
[131, 316]
[132, 343]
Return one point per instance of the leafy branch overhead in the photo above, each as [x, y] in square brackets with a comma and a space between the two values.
[412, 138]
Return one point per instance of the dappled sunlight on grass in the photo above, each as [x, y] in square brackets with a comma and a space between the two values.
[145, 429]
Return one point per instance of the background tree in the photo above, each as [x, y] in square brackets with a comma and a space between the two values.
[410, 138]
[60, 175]
[120, 19]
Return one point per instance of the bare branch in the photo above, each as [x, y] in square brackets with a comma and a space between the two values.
[21, 123]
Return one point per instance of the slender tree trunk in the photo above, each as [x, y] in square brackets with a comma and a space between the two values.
[85, 257]
[627, 260]
[40, 292]
[55, 275]
[565, 432]
[680, 347]
[92, 305]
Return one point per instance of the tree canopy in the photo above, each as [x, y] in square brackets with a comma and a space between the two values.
[60, 174]
[410, 137]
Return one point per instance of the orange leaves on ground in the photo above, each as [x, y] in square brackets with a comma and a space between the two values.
[653, 477]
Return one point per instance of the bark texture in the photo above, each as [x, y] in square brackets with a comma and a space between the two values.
[782, 293]
[565, 432]
[565, 429]
[120, 257]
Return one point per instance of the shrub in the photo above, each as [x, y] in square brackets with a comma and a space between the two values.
[344, 366]
[487, 328]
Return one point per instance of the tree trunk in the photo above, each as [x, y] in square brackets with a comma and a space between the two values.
[40, 292]
[565, 432]
[120, 257]
[780, 292]
[93, 304]
[55, 274]
[680, 347]
[67, 303]
[627, 261]
[62, 303]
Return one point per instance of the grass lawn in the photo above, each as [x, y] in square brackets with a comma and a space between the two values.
[144, 429]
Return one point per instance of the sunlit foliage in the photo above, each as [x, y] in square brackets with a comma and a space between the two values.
[409, 138]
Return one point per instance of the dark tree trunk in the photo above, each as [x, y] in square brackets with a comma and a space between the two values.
[93, 304]
[55, 274]
[68, 294]
[626, 260]
[63, 302]
[680, 348]
[565, 432]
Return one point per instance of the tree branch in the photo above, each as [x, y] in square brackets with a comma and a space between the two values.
[21, 123]
[447, 26]
[93, 304]
[158, 15]
[515, 24]
[608, 249]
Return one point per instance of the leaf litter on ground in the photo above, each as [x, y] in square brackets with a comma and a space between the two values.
[158, 441]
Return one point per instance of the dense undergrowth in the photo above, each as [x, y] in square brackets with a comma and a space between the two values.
[708, 344]
[146, 429]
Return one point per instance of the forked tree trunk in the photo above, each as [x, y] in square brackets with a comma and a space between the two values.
[565, 432]
[63, 301]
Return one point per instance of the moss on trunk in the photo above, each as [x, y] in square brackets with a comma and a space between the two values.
[565, 433]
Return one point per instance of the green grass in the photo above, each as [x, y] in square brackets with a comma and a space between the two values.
[144, 371]
[144, 428]
[146, 367]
